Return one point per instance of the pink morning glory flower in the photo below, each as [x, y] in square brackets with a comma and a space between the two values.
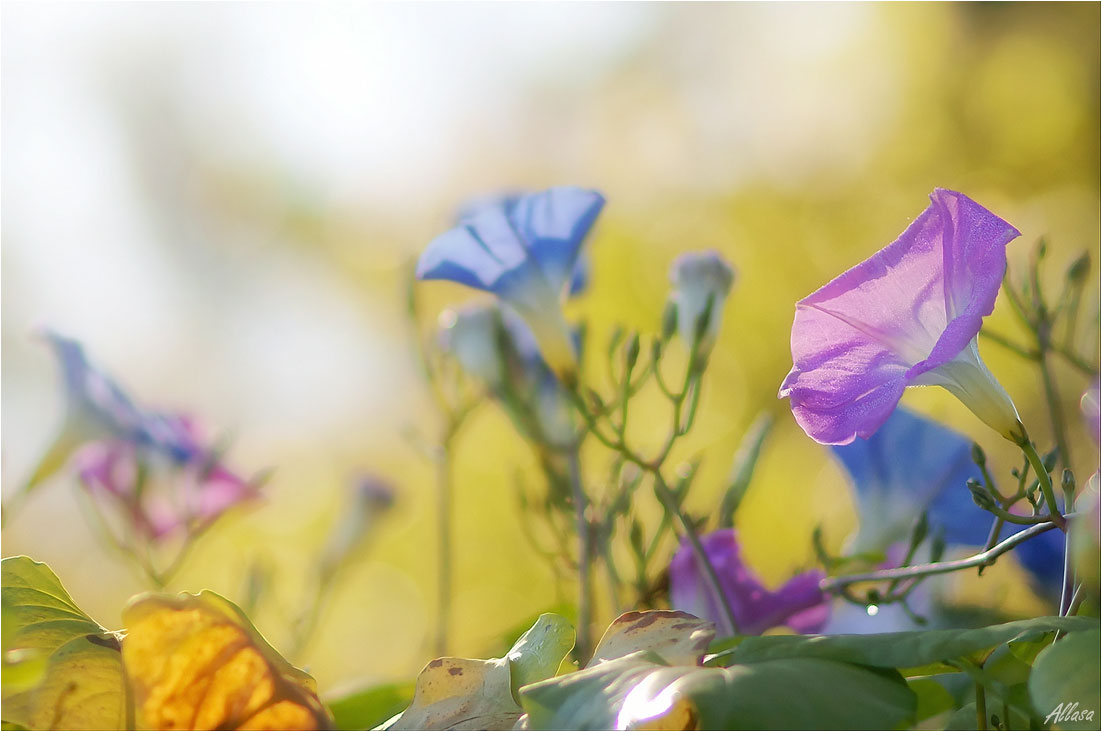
[524, 250]
[798, 604]
[907, 316]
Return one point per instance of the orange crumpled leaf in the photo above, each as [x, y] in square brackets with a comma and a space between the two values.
[196, 662]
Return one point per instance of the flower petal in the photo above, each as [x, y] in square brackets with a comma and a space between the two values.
[483, 252]
[96, 399]
[910, 465]
[844, 384]
[554, 223]
[501, 246]
[799, 604]
[973, 247]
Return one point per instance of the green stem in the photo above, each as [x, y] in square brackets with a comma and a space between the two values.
[981, 707]
[1014, 518]
[710, 574]
[835, 584]
[583, 646]
[1045, 481]
[444, 541]
[1055, 410]
[1076, 361]
[1010, 345]
[614, 580]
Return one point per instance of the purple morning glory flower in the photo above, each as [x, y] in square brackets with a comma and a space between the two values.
[524, 251]
[158, 505]
[98, 405]
[908, 316]
[697, 278]
[798, 604]
[914, 465]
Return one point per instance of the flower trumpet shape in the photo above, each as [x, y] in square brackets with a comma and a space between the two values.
[97, 408]
[524, 250]
[913, 465]
[799, 604]
[908, 316]
[910, 466]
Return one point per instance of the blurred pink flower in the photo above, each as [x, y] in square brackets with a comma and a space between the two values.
[159, 502]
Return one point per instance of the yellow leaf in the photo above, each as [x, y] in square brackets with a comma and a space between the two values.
[464, 693]
[679, 638]
[196, 662]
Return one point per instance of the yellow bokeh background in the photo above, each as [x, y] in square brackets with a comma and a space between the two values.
[223, 201]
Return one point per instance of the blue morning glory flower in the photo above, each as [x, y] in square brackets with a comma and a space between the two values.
[912, 464]
[523, 250]
[579, 277]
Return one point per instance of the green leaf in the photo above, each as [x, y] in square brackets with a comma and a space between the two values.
[368, 708]
[641, 692]
[464, 693]
[537, 654]
[79, 683]
[1026, 648]
[932, 698]
[903, 650]
[743, 469]
[1065, 681]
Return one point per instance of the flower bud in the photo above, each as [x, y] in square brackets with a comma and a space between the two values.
[978, 456]
[701, 283]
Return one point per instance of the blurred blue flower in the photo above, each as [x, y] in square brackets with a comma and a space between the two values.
[523, 249]
[913, 465]
[472, 337]
[95, 400]
[910, 465]
[497, 348]
[579, 277]
[97, 407]
[700, 277]
[798, 604]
